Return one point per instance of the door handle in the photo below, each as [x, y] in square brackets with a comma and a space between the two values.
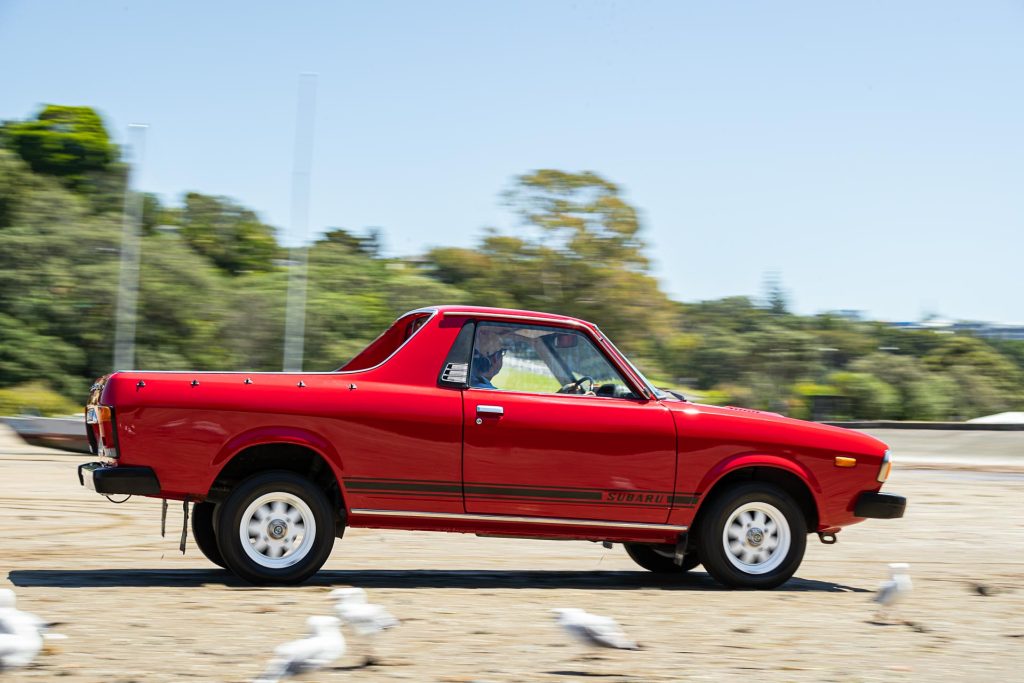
[490, 410]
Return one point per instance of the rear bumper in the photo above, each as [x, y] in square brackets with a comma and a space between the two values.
[139, 481]
[878, 505]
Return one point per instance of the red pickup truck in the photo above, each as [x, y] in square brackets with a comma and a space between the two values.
[487, 421]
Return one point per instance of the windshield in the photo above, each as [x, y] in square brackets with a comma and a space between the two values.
[658, 393]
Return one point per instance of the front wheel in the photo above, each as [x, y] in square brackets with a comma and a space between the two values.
[661, 559]
[752, 536]
[275, 527]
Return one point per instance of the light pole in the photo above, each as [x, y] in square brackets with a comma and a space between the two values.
[128, 285]
[295, 312]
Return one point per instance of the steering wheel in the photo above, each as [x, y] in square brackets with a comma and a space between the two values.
[577, 386]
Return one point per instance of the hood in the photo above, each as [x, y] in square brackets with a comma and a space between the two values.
[732, 423]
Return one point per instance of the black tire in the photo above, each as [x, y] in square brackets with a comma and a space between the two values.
[306, 558]
[203, 532]
[660, 559]
[728, 567]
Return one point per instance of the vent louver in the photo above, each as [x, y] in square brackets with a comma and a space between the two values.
[455, 372]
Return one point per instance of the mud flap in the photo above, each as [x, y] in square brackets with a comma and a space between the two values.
[680, 551]
[184, 525]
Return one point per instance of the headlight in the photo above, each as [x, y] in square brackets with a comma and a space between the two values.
[883, 471]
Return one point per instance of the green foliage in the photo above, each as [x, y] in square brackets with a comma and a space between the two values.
[155, 214]
[731, 395]
[923, 394]
[352, 297]
[57, 280]
[35, 398]
[27, 355]
[870, 397]
[231, 236]
[579, 252]
[775, 299]
[213, 294]
[68, 142]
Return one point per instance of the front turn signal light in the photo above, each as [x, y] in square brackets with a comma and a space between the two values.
[886, 467]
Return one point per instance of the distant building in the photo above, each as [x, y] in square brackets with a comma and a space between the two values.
[974, 327]
[850, 314]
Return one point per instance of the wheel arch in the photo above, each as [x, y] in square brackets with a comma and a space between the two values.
[293, 455]
[782, 472]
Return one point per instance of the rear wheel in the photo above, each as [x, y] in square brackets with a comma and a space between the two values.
[661, 559]
[203, 515]
[752, 536]
[276, 527]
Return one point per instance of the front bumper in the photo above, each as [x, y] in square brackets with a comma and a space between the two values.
[139, 481]
[877, 505]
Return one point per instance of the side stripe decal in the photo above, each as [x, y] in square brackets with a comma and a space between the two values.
[449, 489]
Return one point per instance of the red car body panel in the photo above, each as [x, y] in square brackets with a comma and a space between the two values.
[409, 453]
[531, 457]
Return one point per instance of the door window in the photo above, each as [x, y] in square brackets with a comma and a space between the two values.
[538, 359]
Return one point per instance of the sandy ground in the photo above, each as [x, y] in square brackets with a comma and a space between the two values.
[476, 609]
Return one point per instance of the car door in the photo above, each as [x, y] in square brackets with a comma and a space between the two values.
[555, 431]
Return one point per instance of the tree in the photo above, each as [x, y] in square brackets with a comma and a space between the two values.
[353, 296]
[580, 214]
[369, 244]
[27, 356]
[68, 142]
[870, 397]
[155, 214]
[228, 234]
[775, 299]
[578, 251]
[923, 394]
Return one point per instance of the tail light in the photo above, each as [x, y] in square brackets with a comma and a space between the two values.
[101, 420]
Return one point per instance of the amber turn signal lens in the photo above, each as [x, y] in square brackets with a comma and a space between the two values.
[845, 462]
[105, 431]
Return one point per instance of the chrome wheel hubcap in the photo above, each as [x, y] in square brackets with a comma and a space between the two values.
[756, 538]
[277, 530]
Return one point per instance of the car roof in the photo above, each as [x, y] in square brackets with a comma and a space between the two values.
[449, 309]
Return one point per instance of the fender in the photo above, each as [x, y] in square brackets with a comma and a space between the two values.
[745, 460]
[277, 434]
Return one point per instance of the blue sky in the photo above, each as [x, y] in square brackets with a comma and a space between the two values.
[870, 153]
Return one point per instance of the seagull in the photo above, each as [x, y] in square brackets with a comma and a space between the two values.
[21, 633]
[365, 618]
[593, 630]
[18, 649]
[895, 589]
[323, 645]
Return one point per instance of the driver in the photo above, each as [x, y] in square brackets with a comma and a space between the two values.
[487, 359]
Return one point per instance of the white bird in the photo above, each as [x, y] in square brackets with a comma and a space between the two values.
[895, 589]
[21, 633]
[323, 645]
[365, 618]
[593, 630]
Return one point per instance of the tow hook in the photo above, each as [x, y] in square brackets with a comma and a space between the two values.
[827, 537]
